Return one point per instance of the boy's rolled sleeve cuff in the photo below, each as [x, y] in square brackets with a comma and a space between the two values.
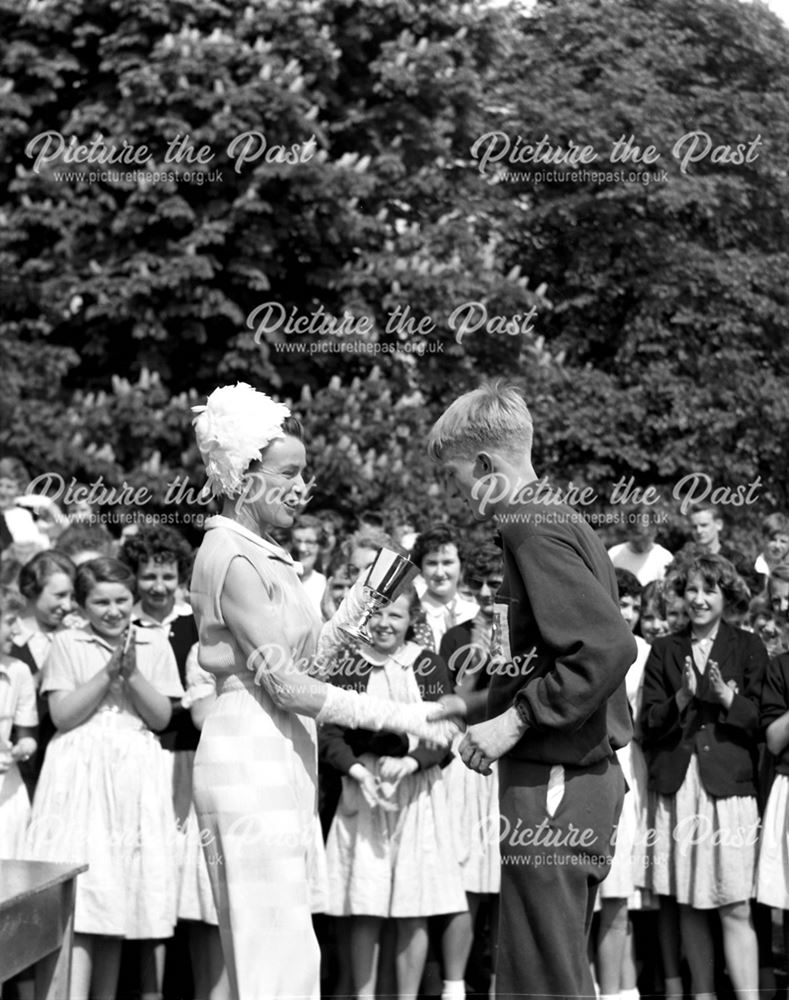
[523, 711]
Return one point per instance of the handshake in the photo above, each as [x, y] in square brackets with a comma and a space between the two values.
[444, 721]
[482, 744]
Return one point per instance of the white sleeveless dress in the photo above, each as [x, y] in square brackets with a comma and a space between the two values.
[255, 782]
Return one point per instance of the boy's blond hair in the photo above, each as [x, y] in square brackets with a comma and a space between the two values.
[493, 417]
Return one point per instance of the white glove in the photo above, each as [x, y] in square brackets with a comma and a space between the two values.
[348, 613]
[355, 710]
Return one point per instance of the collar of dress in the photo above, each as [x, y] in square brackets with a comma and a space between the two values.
[180, 610]
[404, 657]
[274, 551]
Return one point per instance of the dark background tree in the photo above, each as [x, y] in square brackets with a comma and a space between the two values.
[656, 343]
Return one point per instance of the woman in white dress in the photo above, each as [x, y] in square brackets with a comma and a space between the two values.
[255, 778]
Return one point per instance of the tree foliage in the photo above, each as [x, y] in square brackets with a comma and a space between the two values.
[647, 321]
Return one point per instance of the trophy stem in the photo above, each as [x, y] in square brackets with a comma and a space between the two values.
[361, 631]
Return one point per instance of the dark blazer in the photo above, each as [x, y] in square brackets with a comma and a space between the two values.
[725, 742]
[181, 733]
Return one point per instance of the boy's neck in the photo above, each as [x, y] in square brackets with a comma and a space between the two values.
[517, 477]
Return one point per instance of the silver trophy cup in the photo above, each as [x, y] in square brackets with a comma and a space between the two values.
[387, 578]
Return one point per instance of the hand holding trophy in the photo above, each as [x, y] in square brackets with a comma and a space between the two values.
[387, 578]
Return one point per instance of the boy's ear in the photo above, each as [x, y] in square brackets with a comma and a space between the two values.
[483, 465]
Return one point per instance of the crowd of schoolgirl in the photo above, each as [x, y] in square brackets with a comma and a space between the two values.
[102, 699]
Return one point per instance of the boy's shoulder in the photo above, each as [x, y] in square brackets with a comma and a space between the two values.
[542, 519]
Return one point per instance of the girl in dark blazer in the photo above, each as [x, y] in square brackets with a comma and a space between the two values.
[700, 720]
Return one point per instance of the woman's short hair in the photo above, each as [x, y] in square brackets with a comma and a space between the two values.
[417, 618]
[628, 584]
[653, 596]
[493, 417]
[482, 561]
[329, 516]
[715, 571]
[431, 540]
[292, 427]
[103, 570]
[87, 537]
[158, 543]
[34, 574]
[312, 522]
[775, 524]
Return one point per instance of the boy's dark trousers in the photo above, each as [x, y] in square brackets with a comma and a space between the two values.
[551, 867]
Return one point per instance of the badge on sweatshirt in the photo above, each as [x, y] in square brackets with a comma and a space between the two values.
[500, 634]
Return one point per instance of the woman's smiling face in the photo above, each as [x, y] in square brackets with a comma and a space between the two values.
[703, 601]
[441, 572]
[54, 602]
[157, 583]
[275, 491]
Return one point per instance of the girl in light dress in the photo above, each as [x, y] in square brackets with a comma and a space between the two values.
[700, 720]
[390, 852]
[104, 796]
[18, 719]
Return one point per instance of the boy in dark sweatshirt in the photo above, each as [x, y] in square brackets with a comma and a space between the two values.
[557, 715]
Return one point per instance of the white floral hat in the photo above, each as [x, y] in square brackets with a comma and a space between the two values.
[231, 429]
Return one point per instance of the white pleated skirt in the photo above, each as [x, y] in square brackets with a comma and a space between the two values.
[704, 852]
[104, 799]
[626, 878]
[14, 814]
[772, 871]
[195, 898]
[398, 863]
[473, 801]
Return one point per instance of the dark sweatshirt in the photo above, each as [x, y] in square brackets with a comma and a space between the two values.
[570, 648]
